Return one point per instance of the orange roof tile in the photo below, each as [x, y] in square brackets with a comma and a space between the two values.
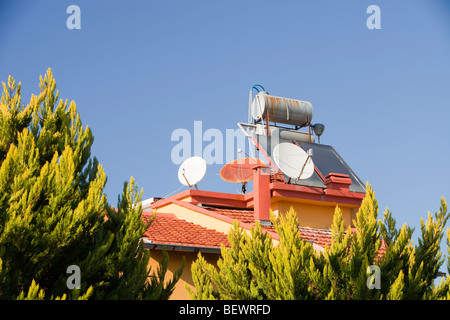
[245, 216]
[277, 176]
[167, 229]
[170, 230]
[318, 236]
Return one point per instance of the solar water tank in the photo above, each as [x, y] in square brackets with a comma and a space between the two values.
[281, 110]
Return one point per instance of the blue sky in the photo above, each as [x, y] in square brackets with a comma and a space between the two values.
[138, 70]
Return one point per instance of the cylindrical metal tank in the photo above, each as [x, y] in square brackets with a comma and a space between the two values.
[288, 134]
[281, 110]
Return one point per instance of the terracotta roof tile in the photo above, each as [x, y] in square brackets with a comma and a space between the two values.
[320, 237]
[277, 176]
[243, 215]
[168, 229]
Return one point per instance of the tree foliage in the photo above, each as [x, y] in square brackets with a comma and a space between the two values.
[255, 268]
[53, 212]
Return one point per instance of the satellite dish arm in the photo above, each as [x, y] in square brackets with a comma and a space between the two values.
[186, 179]
[303, 167]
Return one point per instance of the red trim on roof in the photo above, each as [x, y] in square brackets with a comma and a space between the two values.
[209, 197]
[318, 173]
[278, 189]
[316, 194]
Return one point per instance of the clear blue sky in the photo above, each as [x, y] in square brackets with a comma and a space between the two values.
[138, 70]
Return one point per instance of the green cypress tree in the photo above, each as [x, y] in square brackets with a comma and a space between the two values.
[292, 270]
[202, 273]
[253, 268]
[235, 281]
[285, 275]
[53, 212]
[442, 290]
[331, 274]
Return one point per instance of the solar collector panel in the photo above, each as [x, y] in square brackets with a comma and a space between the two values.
[326, 160]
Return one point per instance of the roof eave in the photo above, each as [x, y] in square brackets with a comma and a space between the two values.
[180, 248]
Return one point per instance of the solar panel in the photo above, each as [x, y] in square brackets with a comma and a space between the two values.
[326, 160]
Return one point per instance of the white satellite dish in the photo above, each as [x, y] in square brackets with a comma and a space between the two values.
[192, 171]
[293, 161]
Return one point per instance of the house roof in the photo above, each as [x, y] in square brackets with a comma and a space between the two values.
[169, 230]
[212, 213]
[319, 237]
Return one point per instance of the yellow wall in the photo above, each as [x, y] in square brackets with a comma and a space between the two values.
[180, 292]
[313, 215]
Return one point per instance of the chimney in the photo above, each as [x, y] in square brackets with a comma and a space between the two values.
[261, 193]
[337, 182]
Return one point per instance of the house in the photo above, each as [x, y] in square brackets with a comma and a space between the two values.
[196, 221]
